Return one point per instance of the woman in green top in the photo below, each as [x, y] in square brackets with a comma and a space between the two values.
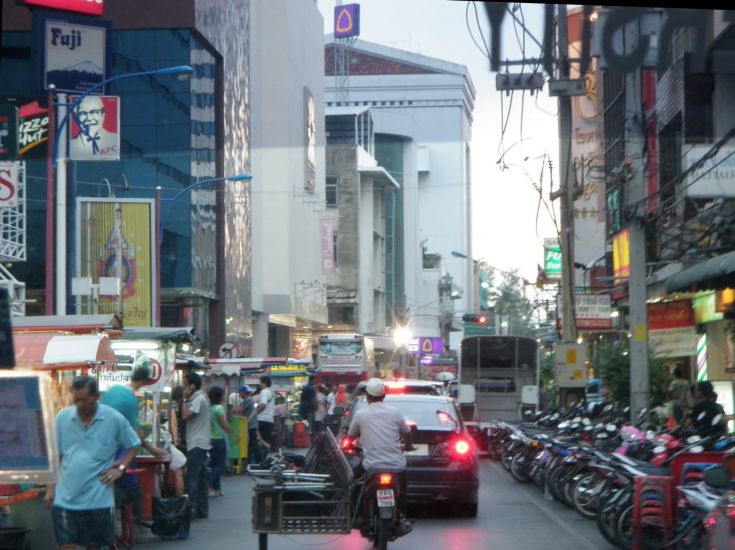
[220, 427]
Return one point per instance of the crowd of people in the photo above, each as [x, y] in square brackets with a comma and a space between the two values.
[693, 408]
[100, 436]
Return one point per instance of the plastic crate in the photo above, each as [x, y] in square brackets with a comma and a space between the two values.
[652, 507]
[677, 464]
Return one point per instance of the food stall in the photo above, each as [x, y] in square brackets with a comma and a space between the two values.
[63, 347]
[158, 348]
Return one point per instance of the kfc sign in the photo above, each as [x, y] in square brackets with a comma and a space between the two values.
[89, 7]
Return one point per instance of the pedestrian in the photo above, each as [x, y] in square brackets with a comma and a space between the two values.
[220, 429]
[234, 403]
[83, 500]
[248, 406]
[704, 412]
[679, 392]
[265, 411]
[122, 398]
[321, 409]
[178, 426]
[308, 405]
[196, 413]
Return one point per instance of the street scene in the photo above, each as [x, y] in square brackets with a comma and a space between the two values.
[389, 274]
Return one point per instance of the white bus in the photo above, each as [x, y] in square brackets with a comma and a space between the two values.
[345, 358]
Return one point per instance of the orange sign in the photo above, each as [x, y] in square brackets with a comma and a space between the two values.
[621, 254]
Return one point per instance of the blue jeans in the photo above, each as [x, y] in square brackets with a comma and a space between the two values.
[219, 454]
[197, 482]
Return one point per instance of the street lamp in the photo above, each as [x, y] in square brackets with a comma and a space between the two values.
[162, 222]
[59, 153]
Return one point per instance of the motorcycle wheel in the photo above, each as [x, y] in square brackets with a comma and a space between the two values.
[606, 524]
[518, 469]
[624, 527]
[568, 490]
[506, 458]
[381, 536]
[553, 481]
[584, 496]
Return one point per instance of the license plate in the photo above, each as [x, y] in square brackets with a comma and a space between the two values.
[421, 449]
[386, 498]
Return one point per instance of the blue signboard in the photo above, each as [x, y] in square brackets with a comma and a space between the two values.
[347, 21]
[425, 345]
[75, 53]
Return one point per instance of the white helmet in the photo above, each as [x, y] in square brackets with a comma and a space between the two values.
[375, 387]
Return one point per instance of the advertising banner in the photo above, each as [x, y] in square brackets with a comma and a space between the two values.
[426, 346]
[126, 227]
[9, 184]
[94, 129]
[75, 52]
[592, 311]
[309, 140]
[329, 264]
[88, 7]
[552, 259]
[32, 125]
[673, 342]
[347, 21]
[670, 315]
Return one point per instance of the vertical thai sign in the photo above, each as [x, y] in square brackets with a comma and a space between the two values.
[75, 52]
[586, 151]
[329, 262]
[310, 140]
[552, 259]
[621, 256]
[106, 229]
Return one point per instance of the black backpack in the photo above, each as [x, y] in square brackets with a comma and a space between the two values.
[171, 517]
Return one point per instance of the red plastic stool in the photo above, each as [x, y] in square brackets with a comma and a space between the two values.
[652, 507]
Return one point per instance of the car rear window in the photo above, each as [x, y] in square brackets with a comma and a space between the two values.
[425, 413]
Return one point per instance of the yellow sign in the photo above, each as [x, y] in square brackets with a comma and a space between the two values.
[571, 356]
[621, 254]
[107, 229]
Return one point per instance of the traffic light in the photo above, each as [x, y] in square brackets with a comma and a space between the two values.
[475, 318]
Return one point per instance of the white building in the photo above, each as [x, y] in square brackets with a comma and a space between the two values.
[287, 149]
[422, 114]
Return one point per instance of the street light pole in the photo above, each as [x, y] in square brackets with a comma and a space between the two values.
[59, 156]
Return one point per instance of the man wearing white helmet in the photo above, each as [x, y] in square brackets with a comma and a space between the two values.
[380, 429]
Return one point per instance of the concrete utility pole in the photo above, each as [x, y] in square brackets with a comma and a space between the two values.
[636, 193]
[568, 190]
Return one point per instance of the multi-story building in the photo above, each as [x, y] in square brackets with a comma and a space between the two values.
[421, 110]
[174, 133]
[288, 165]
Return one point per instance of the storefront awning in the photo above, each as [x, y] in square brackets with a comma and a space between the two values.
[53, 351]
[76, 324]
[717, 272]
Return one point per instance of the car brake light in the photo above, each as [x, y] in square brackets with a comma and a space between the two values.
[461, 447]
[385, 479]
[396, 387]
[347, 443]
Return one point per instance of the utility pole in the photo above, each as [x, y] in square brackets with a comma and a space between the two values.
[568, 190]
[636, 195]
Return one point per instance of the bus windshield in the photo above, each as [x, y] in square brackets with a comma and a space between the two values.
[341, 347]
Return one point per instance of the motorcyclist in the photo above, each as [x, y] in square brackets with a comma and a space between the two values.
[703, 413]
[381, 429]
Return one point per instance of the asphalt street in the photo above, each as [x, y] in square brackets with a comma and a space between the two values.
[511, 516]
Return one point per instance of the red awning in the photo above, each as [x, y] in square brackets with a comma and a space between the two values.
[55, 351]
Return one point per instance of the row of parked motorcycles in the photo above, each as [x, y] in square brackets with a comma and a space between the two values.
[587, 458]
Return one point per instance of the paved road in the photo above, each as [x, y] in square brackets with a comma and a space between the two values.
[512, 516]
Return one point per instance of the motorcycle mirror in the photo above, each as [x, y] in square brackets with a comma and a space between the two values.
[697, 449]
[555, 416]
[693, 439]
[586, 421]
[716, 420]
[659, 450]
[599, 426]
[575, 426]
[643, 413]
[611, 427]
[602, 435]
[717, 477]
[563, 425]
[577, 419]
[701, 415]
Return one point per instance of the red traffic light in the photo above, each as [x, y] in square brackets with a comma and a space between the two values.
[477, 319]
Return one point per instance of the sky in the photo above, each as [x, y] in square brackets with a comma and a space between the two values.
[506, 232]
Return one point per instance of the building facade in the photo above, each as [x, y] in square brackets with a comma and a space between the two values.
[174, 133]
[288, 164]
[422, 118]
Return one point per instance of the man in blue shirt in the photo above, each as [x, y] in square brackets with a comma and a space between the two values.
[88, 435]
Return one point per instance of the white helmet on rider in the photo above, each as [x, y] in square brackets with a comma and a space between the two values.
[375, 387]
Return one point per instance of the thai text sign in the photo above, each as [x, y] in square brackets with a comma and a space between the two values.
[552, 259]
[673, 342]
[592, 311]
[329, 264]
[715, 178]
[670, 315]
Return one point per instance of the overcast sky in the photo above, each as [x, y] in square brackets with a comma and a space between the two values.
[504, 201]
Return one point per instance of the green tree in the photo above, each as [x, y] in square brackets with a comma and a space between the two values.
[612, 364]
[509, 300]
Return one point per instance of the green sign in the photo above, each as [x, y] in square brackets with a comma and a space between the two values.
[8, 131]
[705, 309]
[552, 259]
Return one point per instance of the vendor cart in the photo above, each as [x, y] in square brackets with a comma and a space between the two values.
[315, 500]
